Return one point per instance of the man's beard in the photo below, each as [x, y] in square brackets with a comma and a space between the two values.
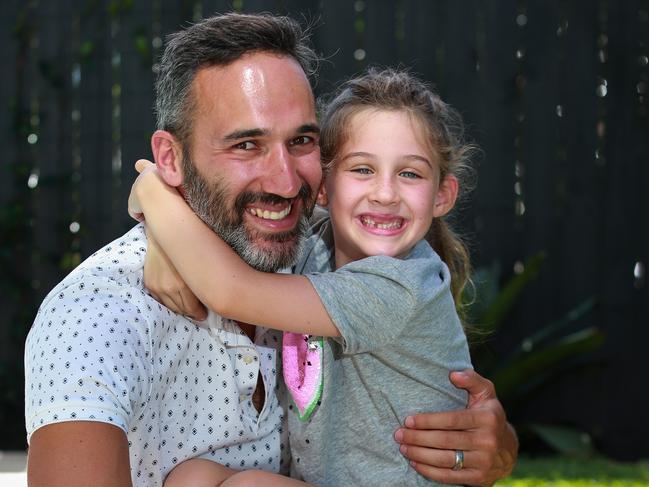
[211, 202]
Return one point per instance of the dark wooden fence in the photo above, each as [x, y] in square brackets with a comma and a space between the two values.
[554, 92]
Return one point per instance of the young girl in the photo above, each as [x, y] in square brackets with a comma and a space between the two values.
[371, 285]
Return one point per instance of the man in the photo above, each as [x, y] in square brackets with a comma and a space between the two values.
[120, 389]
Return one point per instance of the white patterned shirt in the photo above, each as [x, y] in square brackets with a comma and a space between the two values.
[102, 349]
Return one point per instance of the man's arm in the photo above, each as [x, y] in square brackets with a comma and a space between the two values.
[78, 453]
[481, 432]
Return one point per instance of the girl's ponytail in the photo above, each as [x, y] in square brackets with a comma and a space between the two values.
[455, 254]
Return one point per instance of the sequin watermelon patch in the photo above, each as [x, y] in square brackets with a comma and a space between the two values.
[302, 366]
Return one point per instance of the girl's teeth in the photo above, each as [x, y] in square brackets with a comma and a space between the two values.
[383, 226]
[270, 215]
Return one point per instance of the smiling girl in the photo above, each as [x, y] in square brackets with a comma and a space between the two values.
[371, 284]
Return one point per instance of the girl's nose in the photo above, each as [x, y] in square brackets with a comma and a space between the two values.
[385, 192]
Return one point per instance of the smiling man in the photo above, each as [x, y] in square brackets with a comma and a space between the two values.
[119, 388]
[253, 169]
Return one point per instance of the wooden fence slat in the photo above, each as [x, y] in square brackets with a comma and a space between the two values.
[137, 120]
[96, 128]
[336, 40]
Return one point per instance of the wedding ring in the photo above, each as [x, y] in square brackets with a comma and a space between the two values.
[459, 460]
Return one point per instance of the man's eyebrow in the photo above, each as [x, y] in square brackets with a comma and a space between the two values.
[245, 133]
[308, 128]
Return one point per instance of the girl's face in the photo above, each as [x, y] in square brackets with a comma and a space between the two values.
[382, 192]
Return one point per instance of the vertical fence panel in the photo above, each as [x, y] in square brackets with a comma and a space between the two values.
[494, 131]
[423, 43]
[9, 59]
[623, 202]
[379, 32]
[137, 120]
[337, 39]
[54, 196]
[16, 236]
[459, 82]
[213, 7]
[96, 77]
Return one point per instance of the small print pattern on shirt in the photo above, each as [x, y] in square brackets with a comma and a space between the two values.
[101, 349]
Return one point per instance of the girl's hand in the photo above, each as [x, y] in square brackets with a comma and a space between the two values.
[166, 286]
[160, 276]
[144, 167]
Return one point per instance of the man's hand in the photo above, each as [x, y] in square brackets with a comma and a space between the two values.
[78, 453]
[481, 432]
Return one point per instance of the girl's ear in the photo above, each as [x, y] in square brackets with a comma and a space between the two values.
[322, 199]
[167, 153]
[446, 196]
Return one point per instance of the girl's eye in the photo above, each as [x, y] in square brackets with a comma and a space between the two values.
[409, 174]
[362, 170]
[246, 145]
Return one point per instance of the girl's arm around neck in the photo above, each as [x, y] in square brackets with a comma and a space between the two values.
[219, 277]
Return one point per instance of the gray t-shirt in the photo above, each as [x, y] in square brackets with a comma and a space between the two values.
[400, 338]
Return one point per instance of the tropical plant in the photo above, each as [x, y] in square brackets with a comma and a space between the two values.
[536, 359]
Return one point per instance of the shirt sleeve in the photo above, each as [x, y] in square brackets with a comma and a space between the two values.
[86, 357]
[372, 301]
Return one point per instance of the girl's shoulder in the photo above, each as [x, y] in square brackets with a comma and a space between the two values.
[316, 254]
[421, 267]
[318, 218]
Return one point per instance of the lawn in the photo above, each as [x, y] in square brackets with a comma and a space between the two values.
[568, 472]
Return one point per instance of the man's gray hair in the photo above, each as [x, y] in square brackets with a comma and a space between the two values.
[220, 40]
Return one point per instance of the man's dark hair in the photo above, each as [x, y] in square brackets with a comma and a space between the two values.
[220, 40]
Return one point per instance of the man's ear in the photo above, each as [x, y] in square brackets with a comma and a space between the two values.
[322, 199]
[168, 154]
[446, 196]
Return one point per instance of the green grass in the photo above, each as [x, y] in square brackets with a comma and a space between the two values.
[573, 472]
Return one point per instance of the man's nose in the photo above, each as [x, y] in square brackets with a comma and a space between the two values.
[282, 177]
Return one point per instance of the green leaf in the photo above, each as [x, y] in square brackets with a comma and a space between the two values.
[142, 46]
[537, 362]
[568, 441]
[359, 25]
[86, 50]
[480, 294]
[570, 317]
[503, 303]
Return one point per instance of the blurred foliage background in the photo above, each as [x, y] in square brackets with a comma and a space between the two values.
[554, 92]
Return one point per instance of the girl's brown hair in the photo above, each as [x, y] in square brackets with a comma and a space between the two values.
[442, 126]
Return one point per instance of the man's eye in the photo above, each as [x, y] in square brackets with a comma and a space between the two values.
[409, 174]
[247, 145]
[302, 140]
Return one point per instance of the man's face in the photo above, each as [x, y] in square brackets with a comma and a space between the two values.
[254, 166]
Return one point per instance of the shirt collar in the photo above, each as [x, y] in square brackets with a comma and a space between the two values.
[225, 330]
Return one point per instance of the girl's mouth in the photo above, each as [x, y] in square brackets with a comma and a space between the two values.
[382, 223]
